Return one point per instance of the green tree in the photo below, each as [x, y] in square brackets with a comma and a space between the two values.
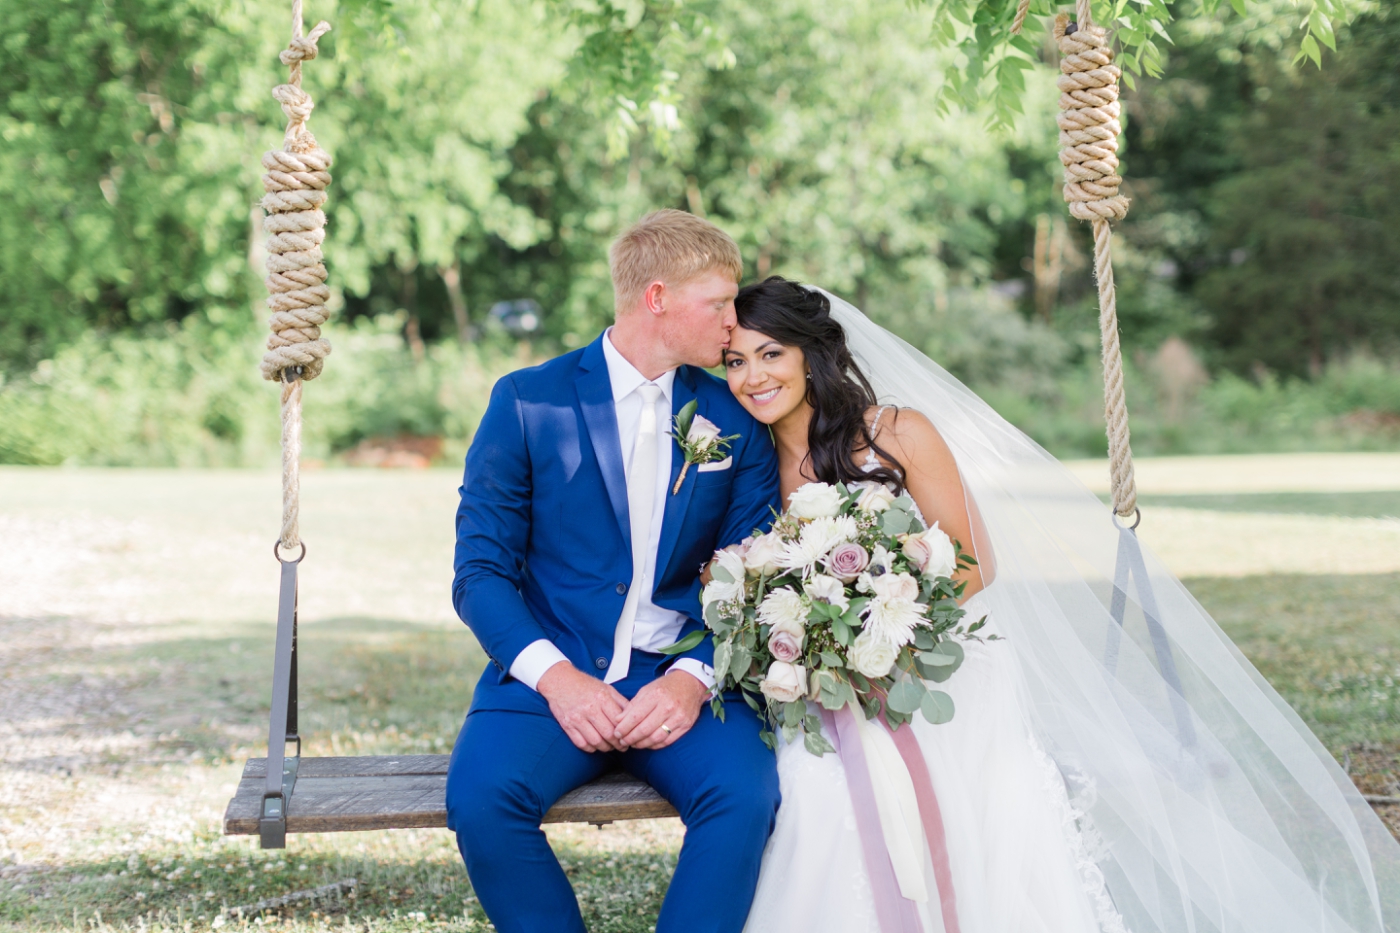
[1304, 236]
[131, 132]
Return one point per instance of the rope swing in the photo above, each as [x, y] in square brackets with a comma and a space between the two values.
[295, 186]
[1089, 129]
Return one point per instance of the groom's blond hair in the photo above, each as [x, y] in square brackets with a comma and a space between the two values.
[668, 246]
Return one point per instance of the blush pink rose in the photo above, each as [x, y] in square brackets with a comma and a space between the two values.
[784, 646]
[741, 549]
[846, 561]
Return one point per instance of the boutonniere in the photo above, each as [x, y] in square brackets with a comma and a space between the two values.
[699, 439]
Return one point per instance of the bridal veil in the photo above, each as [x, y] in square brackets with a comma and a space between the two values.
[1208, 803]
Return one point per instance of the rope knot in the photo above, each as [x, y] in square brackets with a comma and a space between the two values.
[303, 48]
[1089, 121]
[295, 184]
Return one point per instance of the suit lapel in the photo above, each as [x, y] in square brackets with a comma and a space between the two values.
[600, 414]
[683, 392]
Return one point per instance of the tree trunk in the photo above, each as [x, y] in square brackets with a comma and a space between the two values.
[412, 332]
[452, 278]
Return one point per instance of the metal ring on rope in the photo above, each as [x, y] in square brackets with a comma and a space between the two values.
[1137, 520]
[277, 552]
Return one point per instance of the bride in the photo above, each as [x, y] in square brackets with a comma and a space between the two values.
[1103, 772]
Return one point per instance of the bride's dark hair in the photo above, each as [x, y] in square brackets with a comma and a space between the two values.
[837, 390]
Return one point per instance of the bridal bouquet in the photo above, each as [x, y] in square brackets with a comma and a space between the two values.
[848, 599]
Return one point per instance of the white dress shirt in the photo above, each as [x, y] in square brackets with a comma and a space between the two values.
[655, 627]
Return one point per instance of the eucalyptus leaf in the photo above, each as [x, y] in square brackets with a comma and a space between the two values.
[720, 574]
[895, 522]
[793, 713]
[937, 707]
[952, 649]
[739, 662]
[906, 696]
[816, 743]
[831, 659]
[723, 652]
[842, 632]
[937, 659]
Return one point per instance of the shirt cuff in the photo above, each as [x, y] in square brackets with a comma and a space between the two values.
[697, 669]
[539, 656]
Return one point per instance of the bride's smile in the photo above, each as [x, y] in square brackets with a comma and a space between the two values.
[768, 378]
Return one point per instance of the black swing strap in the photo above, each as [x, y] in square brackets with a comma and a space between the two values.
[282, 720]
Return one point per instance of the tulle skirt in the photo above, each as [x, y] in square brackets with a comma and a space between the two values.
[1019, 847]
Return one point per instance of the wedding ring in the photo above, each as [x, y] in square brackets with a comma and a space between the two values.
[665, 728]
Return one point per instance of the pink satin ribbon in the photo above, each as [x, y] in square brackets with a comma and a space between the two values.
[932, 818]
[896, 913]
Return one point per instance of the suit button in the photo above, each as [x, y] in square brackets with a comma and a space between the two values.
[601, 663]
[621, 588]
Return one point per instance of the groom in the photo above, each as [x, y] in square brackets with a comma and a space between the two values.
[576, 563]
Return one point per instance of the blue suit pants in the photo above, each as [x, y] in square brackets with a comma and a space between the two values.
[509, 767]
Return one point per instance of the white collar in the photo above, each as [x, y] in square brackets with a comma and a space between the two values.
[626, 378]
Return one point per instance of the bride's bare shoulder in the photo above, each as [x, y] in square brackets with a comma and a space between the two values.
[902, 427]
[907, 434]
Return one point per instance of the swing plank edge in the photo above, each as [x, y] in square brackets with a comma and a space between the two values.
[353, 794]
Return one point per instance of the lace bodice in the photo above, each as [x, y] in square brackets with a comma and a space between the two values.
[871, 461]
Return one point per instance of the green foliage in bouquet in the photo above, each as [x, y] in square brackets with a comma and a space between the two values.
[849, 599]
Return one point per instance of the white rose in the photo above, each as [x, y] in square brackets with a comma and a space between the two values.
[828, 590]
[815, 500]
[703, 433]
[784, 610]
[874, 498]
[764, 553]
[784, 682]
[872, 656]
[895, 586]
[932, 552]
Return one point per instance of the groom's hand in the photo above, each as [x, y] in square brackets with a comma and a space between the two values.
[673, 701]
[588, 709]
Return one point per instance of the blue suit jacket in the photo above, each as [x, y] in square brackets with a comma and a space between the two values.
[544, 544]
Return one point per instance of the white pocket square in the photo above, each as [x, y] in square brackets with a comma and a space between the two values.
[714, 465]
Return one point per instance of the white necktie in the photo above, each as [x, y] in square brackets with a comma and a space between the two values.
[641, 498]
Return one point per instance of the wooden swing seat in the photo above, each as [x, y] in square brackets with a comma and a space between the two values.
[336, 795]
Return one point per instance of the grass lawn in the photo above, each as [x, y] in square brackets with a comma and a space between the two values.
[125, 717]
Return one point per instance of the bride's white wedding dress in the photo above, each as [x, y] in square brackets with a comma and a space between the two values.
[1020, 860]
[1017, 852]
[1114, 764]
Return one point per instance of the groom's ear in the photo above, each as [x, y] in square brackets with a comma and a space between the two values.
[654, 297]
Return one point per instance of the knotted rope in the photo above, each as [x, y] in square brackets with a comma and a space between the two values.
[295, 186]
[1089, 129]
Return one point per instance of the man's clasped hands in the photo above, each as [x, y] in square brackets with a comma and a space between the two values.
[599, 719]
